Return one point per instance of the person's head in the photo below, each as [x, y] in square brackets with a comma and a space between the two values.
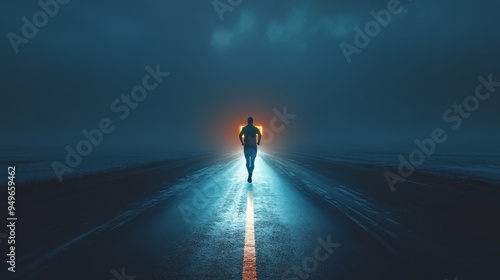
[250, 120]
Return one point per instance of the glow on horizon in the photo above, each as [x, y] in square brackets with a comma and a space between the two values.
[257, 126]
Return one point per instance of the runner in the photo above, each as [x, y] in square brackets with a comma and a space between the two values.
[248, 138]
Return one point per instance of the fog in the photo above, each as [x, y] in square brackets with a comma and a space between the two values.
[262, 57]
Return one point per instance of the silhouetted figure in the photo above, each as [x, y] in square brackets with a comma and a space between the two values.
[249, 142]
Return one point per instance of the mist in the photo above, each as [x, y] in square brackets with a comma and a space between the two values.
[260, 59]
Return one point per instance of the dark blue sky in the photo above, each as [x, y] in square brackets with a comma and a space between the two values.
[263, 55]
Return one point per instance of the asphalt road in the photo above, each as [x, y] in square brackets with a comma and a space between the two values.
[289, 223]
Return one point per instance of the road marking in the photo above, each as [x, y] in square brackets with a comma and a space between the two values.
[249, 260]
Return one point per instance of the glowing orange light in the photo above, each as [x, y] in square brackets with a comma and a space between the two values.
[257, 126]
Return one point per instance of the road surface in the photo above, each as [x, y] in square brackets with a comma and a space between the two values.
[199, 219]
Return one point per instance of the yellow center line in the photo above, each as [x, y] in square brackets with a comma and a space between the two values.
[249, 260]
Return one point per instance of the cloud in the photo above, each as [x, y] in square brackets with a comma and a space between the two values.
[295, 30]
[246, 22]
[338, 26]
[223, 39]
[291, 29]
[300, 26]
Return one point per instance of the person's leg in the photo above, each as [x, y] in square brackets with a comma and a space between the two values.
[254, 154]
[248, 160]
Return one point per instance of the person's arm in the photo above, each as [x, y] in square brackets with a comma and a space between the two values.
[241, 137]
[260, 136]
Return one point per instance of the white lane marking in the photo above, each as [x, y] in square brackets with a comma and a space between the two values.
[249, 259]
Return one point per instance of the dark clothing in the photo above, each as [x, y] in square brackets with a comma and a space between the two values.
[250, 133]
[250, 155]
